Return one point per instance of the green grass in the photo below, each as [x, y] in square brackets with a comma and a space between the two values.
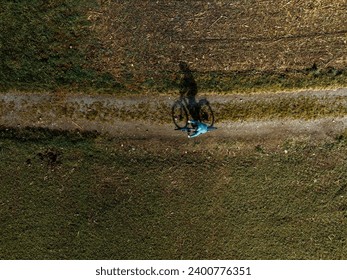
[119, 198]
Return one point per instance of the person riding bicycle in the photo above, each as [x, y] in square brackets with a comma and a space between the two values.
[199, 128]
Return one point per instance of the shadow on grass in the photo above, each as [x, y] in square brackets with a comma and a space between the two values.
[40, 134]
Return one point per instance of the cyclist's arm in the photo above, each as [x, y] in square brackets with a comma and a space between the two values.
[193, 121]
[195, 134]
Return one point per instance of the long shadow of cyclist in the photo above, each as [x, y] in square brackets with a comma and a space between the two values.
[189, 89]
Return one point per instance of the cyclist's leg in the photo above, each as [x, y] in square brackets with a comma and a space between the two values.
[193, 108]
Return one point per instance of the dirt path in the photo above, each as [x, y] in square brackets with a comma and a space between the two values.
[126, 116]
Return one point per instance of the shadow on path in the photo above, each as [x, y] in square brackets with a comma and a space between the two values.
[187, 107]
[189, 89]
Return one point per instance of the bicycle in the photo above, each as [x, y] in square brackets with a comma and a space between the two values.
[181, 111]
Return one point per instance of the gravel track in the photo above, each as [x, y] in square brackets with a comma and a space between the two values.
[41, 110]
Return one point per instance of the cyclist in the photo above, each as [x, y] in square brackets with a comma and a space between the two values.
[199, 128]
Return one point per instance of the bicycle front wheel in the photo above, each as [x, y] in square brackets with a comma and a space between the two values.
[205, 113]
[179, 115]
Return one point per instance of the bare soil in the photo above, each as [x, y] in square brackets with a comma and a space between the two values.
[143, 40]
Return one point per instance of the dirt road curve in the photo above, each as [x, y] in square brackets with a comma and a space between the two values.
[108, 114]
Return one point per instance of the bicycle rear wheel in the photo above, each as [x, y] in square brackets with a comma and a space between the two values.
[205, 113]
[179, 114]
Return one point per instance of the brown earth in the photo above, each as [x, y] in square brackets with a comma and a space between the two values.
[143, 40]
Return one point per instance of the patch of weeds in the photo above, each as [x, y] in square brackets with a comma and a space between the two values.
[51, 157]
[341, 138]
[259, 149]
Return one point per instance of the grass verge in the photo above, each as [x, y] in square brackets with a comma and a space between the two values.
[260, 81]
